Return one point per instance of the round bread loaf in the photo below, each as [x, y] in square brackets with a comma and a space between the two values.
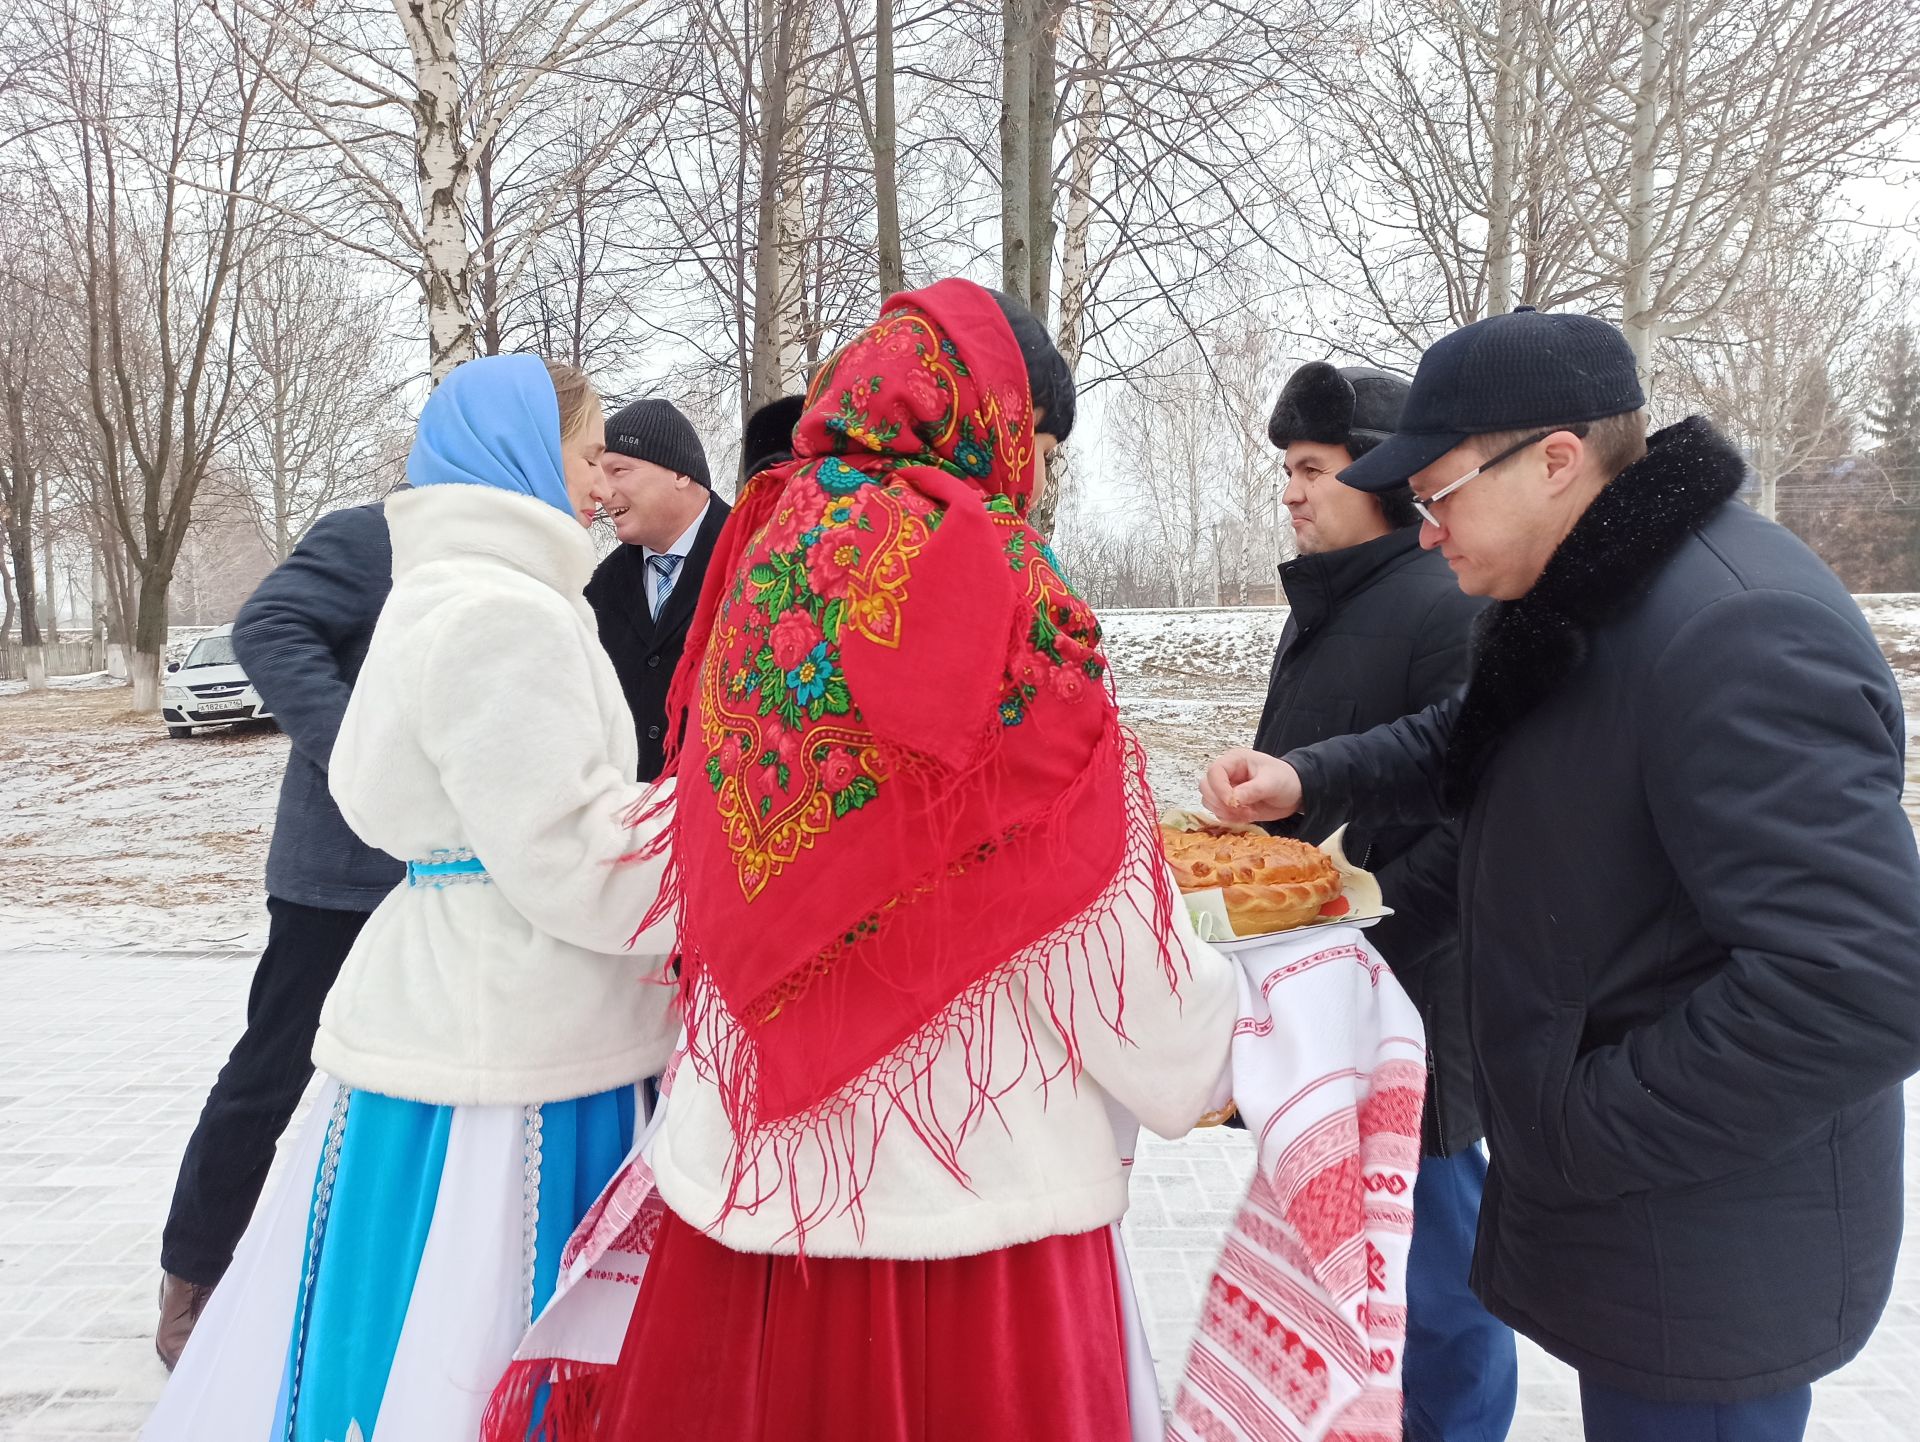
[1269, 883]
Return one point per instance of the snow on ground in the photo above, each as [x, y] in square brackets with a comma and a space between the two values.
[93, 681]
[1191, 683]
[115, 839]
[1896, 621]
[111, 834]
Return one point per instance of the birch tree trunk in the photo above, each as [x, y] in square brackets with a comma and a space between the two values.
[1074, 274]
[1637, 314]
[776, 67]
[1075, 277]
[46, 578]
[282, 478]
[1016, 147]
[97, 603]
[790, 224]
[444, 170]
[1507, 93]
[886, 178]
[1042, 109]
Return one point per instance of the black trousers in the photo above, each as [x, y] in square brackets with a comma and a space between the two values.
[231, 1149]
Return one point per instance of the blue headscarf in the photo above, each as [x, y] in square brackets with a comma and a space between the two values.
[495, 422]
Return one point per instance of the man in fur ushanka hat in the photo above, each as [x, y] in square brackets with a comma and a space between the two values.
[1689, 894]
[1379, 630]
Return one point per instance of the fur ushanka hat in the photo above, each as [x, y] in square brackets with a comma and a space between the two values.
[1353, 406]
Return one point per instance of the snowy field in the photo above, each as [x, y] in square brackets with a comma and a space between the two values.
[130, 913]
[113, 835]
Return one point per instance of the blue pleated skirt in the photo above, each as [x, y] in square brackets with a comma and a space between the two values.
[380, 1296]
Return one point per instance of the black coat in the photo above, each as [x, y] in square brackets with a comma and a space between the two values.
[1691, 906]
[645, 652]
[1379, 631]
[301, 638]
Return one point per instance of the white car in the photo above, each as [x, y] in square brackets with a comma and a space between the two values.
[209, 688]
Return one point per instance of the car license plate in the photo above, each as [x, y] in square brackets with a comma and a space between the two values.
[216, 713]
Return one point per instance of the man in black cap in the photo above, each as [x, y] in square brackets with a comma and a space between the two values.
[1690, 900]
[656, 491]
[1378, 630]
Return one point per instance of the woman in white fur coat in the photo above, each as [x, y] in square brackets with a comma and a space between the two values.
[481, 1050]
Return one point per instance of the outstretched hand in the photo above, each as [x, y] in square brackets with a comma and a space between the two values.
[1247, 785]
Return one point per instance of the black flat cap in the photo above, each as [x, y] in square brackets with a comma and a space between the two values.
[1505, 373]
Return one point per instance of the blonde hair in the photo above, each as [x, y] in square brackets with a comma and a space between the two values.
[575, 393]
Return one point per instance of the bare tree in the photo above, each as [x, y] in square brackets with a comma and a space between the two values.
[1170, 435]
[1726, 108]
[1467, 154]
[880, 123]
[146, 151]
[1075, 277]
[781, 201]
[886, 133]
[1782, 367]
[319, 418]
[745, 145]
[27, 316]
[1427, 185]
[409, 102]
[1029, 109]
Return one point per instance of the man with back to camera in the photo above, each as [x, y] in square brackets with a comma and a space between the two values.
[1378, 630]
[301, 637]
[1690, 899]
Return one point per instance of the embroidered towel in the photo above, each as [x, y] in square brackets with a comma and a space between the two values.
[1301, 1333]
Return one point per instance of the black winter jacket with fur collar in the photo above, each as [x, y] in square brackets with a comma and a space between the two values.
[1690, 911]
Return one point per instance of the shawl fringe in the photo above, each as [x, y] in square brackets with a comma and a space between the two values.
[844, 1128]
[548, 1400]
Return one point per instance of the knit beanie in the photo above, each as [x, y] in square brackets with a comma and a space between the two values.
[653, 430]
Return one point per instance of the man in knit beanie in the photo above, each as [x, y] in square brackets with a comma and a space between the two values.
[656, 491]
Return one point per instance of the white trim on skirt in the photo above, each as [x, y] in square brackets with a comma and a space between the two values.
[463, 1321]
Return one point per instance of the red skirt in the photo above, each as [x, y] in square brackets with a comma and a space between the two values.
[725, 1346]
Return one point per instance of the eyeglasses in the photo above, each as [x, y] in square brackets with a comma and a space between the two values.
[1425, 507]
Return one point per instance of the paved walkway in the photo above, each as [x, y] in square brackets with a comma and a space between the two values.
[104, 1060]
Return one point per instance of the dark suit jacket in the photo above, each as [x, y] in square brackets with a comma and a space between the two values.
[645, 652]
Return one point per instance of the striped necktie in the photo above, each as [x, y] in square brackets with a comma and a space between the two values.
[661, 571]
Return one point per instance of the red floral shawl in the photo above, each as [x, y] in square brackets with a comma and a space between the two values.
[904, 783]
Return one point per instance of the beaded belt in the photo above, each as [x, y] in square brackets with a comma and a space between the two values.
[447, 868]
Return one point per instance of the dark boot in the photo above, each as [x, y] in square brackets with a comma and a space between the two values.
[181, 1303]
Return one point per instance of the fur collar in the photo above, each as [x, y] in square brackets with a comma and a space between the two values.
[1524, 649]
[493, 527]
